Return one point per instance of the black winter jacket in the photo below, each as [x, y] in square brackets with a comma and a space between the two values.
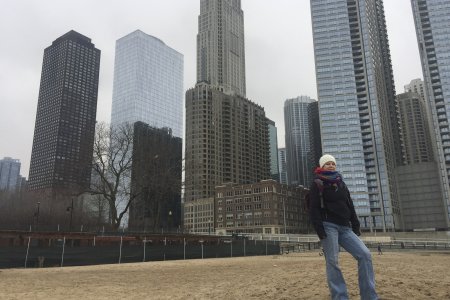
[338, 208]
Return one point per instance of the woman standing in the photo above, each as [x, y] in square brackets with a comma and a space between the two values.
[334, 218]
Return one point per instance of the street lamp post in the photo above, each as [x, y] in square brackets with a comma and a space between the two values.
[170, 220]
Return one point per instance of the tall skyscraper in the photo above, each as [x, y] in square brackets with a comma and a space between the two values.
[415, 128]
[298, 140]
[227, 136]
[273, 148]
[10, 178]
[432, 20]
[65, 120]
[417, 86]
[148, 83]
[358, 109]
[148, 87]
[314, 133]
[282, 165]
[220, 46]
[420, 194]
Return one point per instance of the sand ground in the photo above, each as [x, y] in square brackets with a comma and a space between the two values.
[399, 275]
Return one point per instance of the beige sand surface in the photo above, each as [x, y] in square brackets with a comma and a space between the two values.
[421, 275]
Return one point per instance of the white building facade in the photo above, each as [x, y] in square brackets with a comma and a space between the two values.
[148, 83]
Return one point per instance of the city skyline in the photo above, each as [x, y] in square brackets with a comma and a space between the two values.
[288, 59]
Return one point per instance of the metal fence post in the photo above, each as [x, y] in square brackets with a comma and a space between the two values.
[145, 242]
[62, 255]
[120, 250]
[231, 248]
[266, 247]
[184, 248]
[28, 247]
[244, 247]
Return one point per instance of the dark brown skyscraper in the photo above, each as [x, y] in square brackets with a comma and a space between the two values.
[65, 118]
[155, 179]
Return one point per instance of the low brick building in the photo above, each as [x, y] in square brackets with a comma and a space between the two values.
[265, 207]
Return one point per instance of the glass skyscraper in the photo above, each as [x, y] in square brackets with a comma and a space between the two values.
[432, 20]
[298, 140]
[148, 83]
[9, 173]
[358, 111]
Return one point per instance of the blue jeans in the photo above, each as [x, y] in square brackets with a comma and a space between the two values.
[338, 235]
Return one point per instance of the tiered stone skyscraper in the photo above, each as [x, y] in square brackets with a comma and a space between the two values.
[220, 46]
[227, 136]
[432, 20]
[65, 120]
[358, 109]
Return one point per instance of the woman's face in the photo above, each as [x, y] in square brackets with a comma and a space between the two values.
[329, 166]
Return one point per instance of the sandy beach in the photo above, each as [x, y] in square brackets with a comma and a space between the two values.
[399, 275]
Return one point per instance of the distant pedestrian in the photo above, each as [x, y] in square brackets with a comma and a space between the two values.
[379, 249]
[333, 216]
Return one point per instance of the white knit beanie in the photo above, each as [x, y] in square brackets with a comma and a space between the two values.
[326, 158]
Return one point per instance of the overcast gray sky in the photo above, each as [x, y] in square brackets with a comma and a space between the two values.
[278, 43]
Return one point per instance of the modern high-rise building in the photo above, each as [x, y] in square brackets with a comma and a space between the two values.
[220, 46]
[227, 136]
[298, 140]
[10, 178]
[420, 191]
[415, 128]
[358, 110]
[155, 179]
[147, 87]
[432, 21]
[148, 83]
[65, 120]
[227, 140]
[273, 148]
[314, 134]
[417, 86]
[282, 165]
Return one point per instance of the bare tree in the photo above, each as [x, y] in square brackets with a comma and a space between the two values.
[112, 162]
